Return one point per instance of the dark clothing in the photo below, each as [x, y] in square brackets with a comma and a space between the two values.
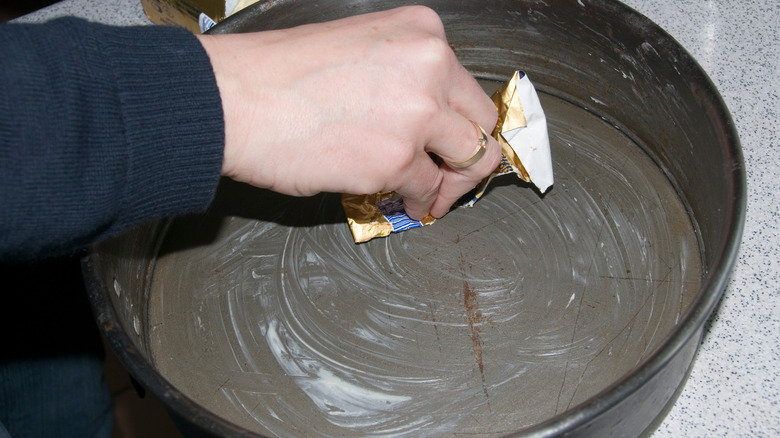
[51, 360]
[101, 128]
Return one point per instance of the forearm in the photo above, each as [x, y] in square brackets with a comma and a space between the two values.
[101, 129]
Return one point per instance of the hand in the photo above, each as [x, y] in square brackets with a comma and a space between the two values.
[357, 105]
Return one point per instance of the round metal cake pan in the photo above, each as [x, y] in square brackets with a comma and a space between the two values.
[577, 312]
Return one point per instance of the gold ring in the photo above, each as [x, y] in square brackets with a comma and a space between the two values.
[481, 148]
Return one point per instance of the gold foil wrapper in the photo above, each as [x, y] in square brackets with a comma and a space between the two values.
[510, 116]
[377, 215]
[380, 214]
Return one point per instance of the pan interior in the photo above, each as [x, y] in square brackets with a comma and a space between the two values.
[493, 319]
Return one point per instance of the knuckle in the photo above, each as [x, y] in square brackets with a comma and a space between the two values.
[424, 16]
[427, 108]
[434, 52]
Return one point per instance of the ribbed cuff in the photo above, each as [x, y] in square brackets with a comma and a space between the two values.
[102, 128]
[173, 119]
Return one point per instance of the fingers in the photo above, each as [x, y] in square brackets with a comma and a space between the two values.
[448, 131]
[456, 140]
[456, 182]
[437, 185]
[468, 99]
[419, 197]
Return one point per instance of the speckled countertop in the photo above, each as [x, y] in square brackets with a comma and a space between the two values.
[734, 388]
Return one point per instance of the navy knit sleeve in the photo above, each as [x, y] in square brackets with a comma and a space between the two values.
[101, 128]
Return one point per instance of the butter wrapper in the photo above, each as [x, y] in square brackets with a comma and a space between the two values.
[521, 130]
[378, 215]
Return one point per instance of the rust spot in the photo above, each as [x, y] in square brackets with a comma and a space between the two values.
[474, 316]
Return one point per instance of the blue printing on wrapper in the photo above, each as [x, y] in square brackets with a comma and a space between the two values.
[205, 22]
[392, 209]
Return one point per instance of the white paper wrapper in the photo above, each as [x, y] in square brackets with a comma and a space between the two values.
[531, 143]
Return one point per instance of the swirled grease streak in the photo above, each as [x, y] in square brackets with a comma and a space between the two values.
[266, 313]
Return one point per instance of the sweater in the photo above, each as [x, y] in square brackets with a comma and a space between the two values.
[101, 128]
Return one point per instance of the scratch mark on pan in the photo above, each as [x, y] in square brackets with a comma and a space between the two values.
[474, 316]
[222, 385]
[435, 325]
[624, 332]
[567, 368]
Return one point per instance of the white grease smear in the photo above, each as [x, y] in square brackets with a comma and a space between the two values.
[571, 299]
[335, 396]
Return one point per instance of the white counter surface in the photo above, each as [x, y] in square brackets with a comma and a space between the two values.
[734, 388]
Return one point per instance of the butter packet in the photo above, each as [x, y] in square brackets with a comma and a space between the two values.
[521, 130]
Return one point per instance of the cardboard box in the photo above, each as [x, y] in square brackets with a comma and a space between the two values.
[186, 13]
